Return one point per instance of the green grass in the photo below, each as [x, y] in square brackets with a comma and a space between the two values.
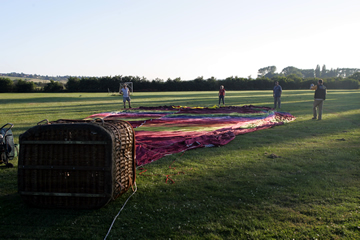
[312, 191]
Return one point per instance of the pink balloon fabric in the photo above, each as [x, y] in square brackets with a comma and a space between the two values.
[165, 130]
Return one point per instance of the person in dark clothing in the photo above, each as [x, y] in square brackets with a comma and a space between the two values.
[277, 94]
[319, 98]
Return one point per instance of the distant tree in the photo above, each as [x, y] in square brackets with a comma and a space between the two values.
[173, 85]
[73, 84]
[317, 71]
[307, 73]
[281, 79]
[292, 70]
[331, 73]
[109, 84]
[6, 85]
[158, 80]
[267, 71]
[346, 72]
[24, 86]
[53, 87]
[199, 83]
[91, 84]
[293, 81]
[323, 70]
[341, 83]
[263, 83]
[355, 76]
[211, 80]
[211, 83]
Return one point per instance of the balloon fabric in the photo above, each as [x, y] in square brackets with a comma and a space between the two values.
[165, 130]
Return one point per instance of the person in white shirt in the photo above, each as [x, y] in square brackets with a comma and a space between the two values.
[126, 95]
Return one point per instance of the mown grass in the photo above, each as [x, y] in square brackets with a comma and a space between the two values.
[311, 191]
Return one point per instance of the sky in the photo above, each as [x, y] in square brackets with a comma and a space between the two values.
[176, 38]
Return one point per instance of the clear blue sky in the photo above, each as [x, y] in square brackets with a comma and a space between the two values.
[176, 38]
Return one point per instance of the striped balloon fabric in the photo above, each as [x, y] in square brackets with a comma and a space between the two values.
[164, 130]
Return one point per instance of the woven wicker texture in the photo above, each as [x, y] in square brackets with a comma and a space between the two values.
[75, 163]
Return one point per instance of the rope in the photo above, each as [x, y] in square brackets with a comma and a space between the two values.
[120, 211]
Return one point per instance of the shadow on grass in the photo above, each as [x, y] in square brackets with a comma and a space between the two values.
[226, 199]
[224, 194]
[231, 192]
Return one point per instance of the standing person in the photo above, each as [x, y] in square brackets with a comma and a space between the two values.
[126, 95]
[222, 95]
[319, 98]
[277, 94]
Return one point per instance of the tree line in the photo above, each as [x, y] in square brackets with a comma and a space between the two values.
[288, 80]
[105, 84]
[34, 76]
[318, 72]
[21, 86]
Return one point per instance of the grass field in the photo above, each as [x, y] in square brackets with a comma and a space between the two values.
[312, 191]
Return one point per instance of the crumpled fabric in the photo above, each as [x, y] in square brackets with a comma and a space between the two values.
[164, 130]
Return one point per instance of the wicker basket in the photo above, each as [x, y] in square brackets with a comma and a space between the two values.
[76, 163]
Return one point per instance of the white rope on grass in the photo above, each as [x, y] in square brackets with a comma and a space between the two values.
[120, 211]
